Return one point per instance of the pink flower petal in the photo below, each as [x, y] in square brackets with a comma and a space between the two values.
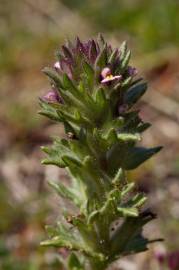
[111, 78]
[57, 65]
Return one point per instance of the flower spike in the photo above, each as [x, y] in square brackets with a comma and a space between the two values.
[94, 91]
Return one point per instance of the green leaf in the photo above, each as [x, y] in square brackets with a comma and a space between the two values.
[49, 111]
[142, 127]
[123, 50]
[113, 56]
[111, 137]
[65, 192]
[89, 176]
[116, 123]
[128, 211]
[115, 156]
[127, 188]
[73, 93]
[134, 93]
[59, 55]
[52, 231]
[68, 85]
[131, 207]
[64, 238]
[127, 238]
[126, 137]
[89, 73]
[119, 177]
[138, 200]
[101, 40]
[74, 263]
[87, 232]
[102, 105]
[53, 157]
[67, 53]
[125, 61]
[69, 160]
[126, 83]
[101, 62]
[61, 154]
[137, 155]
[93, 216]
[93, 51]
[54, 76]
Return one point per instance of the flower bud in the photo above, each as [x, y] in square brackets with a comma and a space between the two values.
[51, 97]
[57, 65]
[64, 252]
[105, 72]
[132, 71]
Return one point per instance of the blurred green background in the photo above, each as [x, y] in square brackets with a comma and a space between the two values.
[30, 33]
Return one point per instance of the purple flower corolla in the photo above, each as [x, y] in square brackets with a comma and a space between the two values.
[52, 97]
[108, 77]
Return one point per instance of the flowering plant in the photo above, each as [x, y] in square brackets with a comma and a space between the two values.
[94, 91]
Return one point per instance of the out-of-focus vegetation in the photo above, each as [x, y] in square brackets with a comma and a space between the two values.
[30, 32]
[151, 24]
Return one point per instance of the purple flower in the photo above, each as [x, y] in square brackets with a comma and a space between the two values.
[52, 97]
[66, 68]
[72, 57]
[132, 71]
[111, 78]
[64, 65]
[80, 47]
[108, 77]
